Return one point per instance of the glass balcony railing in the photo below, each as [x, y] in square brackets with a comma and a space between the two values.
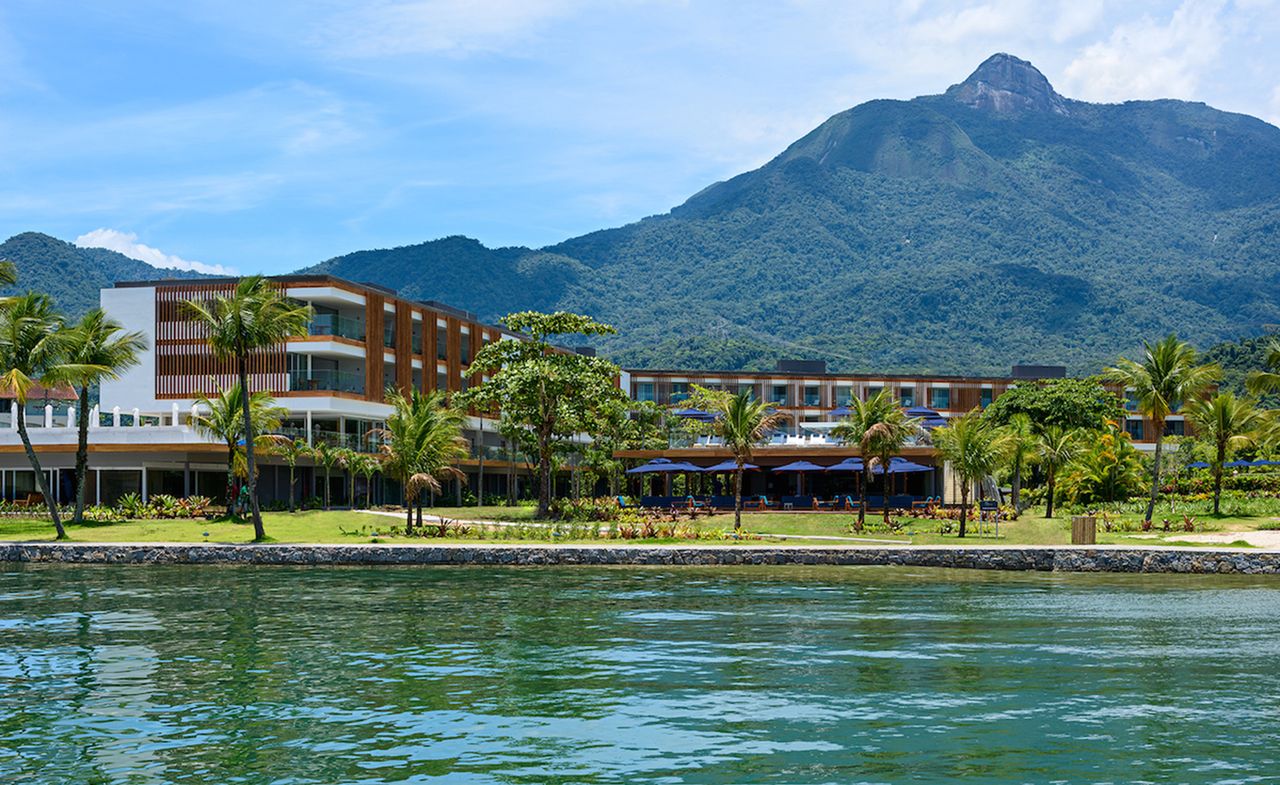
[338, 326]
[327, 380]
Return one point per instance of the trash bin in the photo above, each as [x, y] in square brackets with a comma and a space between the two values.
[1084, 530]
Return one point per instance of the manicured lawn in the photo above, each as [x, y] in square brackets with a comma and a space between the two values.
[342, 526]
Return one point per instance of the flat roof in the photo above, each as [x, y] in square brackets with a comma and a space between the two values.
[871, 377]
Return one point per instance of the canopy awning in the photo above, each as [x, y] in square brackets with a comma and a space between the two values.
[848, 465]
[929, 418]
[729, 466]
[901, 466]
[664, 465]
[800, 466]
[695, 414]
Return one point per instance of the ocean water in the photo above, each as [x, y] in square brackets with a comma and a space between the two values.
[127, 674]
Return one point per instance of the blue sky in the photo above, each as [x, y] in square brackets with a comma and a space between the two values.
[264, 136]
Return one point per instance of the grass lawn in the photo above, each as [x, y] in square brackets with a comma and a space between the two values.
[343, 526]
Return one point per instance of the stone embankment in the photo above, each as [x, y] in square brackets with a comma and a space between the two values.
[1056, 559]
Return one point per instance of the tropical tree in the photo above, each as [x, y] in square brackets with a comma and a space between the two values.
[255, 316]
[8, 273]
[291, 451]
[623, 425]
[1071, 403]
[221, 417]
[422, 443]
[975, 447]
[326, 456]
[1268, 381]
[1227, 423]
[95, 349]
[879, 428]
[1106, 467]
[31, 346]
[742, 422]
[1169, 375]
[1056, 447]
[1022, 453]
[556, 394]
[368, 466]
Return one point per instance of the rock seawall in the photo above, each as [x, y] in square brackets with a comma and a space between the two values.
[1044, 559]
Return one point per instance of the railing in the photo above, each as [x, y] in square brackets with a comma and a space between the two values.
[338, 326]
[327, 380]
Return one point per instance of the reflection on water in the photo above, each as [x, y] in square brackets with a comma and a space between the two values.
[787, 675]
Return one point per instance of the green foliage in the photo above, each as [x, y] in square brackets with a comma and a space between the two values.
[1106, 468]
[423, 442]
[1070, 403]
[879, 428]
[975, 447]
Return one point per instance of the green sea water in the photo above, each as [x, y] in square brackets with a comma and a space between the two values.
[575, 675]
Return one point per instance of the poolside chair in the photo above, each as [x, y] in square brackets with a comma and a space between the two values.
[694, 504]
[758, 503]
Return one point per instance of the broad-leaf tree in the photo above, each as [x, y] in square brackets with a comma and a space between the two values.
[1168, 375]
[975, 447]
[1055, 448]
[422, 444]
[253, 317]
[623, 425]
[1071, 403]
[96, 348]
[221, 417]
[1227, 423]
[879, 428]
[31, 348]
[742, 423]
[556, 394]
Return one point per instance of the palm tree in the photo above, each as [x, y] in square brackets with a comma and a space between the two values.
[255, 316]
[1022, 452]
[1168, 376]
[879, 428]
[1056, 447]
[368, 466]
[8, 273]
[742, 423]
[975, 448]
[291, 451]
[1261, 382]
[96, 348]
[326, 457]
[349, 461]
[422, 442]
[1228, 423]
[31, 347]
[224, 422]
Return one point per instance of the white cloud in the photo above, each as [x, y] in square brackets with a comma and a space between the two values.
[1149, 58]
[127, 244]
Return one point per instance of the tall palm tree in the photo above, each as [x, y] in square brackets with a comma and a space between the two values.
[8, 273]
[368, 466]
[1228, 423]
[31, 347]
[975, 448]
[1022, 452]
[742, 422]
[254, 316]
[879, 428]
[1169, 375]
[422, 443]
[1261, 382]
[96, 348]
[1056, 447]
[326, 456]
[349, 461]
[224, 421]
[291, 451]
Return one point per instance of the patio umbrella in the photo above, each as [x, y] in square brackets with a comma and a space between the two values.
[840, 411]
[929, 418]
[1264, 462]
[1198, 465]
[695, 414]
[847, 465]
[1237, 464]
[800, 467]
[901, 466]
[664, 465]
[729, 466]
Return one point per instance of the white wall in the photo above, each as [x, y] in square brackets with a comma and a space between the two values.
[135, 308]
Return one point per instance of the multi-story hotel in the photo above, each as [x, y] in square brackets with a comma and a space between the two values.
[364, 339]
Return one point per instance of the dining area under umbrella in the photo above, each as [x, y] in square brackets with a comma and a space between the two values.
[664, 466]
[799, 468]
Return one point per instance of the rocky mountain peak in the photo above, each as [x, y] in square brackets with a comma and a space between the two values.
[1007, 84]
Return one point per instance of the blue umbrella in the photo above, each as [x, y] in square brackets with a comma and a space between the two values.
[729, 466]
[901, 466]
[1237, 464]
[928, 417]
[1264, 462]
[1198, 465]
[663, 465]
[840, 411]
[695, 414]
[847, 465]
[800, 466]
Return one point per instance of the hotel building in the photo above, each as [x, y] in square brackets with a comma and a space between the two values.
[364, 339]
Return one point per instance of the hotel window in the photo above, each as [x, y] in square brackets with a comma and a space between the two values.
[389, 332]
[679, 391]
[844, 396]
[812, 395]
[442, 343]
[1130, 402]
[466, 349]
[942, 397]
[778, 394]
[416, 338]
[417, 378]
[462, 381]
[1175, 428]
[984, 399]
[1134, 427]
[873, 391]
[644, 391]
[748, 390]
[907, 396]
[442, 380]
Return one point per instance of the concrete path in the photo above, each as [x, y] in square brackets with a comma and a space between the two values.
[1261, 539]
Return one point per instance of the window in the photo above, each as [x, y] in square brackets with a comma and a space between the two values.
[984, 399]
[389, 333]
[416, 338]
[844, 396]
[812, 395]
[1175, 428]
[907, 396]
[748, 390]
[778, 394]
[942, 397]
[644, 391]
[417, 379]
[1130, 402]
[1134, 427]
[873, 391]
[442, 380]
[466, 348]
[442, 343]
[679, 391]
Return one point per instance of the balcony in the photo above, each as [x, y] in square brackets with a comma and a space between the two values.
[332, 324]
[327, 381]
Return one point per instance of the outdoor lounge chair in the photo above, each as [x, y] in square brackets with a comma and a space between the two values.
[758, 503]
[32, 500]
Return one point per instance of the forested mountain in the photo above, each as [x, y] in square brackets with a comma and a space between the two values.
[70, 274]
[996, 222]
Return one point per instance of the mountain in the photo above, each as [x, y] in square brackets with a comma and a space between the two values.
[70, 274]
